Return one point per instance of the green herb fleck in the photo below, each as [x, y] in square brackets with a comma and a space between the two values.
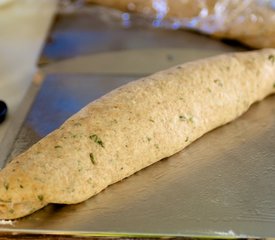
[5, 201]
[274, 85]
[151, 120]
[77, 124]
[92, 158]
[40, 197]
[156, 146]
[209, 90]
[126, 145]
[97, 140]
[183, 118]
[186, 139]
[186, 119]
[218, 82]
[271, 58]
[148, 139]
[6, 186]
[57, 146]
[227, 68]
[11, 211]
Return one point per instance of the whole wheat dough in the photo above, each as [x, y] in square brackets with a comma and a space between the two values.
[133, 127]
[249, 22]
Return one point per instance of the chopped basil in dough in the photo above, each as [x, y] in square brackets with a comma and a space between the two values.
[92, 158]
[97, 140]
[40, 197]
[271, 58]
[6, 186]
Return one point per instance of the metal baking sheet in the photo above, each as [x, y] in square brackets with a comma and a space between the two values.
[222, 185]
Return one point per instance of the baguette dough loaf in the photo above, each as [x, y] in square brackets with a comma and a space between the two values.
[133, 127]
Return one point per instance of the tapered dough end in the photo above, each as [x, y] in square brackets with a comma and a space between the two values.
[18, 194]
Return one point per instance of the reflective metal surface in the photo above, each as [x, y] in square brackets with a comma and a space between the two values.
[91, 30]
[220, 186]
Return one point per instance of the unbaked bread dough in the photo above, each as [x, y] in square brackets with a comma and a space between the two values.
[249, 22]
[133, 127]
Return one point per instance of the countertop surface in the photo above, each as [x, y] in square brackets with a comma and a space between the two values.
[23, 28]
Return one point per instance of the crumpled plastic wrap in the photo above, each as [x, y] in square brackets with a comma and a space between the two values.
[251, 22]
